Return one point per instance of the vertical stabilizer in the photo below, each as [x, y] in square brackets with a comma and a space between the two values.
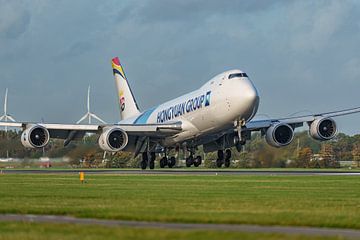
[128, 105]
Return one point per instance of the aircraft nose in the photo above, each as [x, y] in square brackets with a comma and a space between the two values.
[250, 98]
[250, 92]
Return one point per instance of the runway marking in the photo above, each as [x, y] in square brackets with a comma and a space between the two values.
[348, 233]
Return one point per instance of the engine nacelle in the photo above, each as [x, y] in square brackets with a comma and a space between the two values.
[323, 129]
[113, 139]
[279, 135]
[35, 136]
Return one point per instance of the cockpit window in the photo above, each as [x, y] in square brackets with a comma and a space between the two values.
[234, 75]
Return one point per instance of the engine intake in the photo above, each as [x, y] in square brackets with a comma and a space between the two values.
[35, 137]
[323, 129]
[113, 139]
[279, 135]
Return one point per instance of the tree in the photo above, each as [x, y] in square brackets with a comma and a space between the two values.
[327, 156]
[356, 154]
[304, 157]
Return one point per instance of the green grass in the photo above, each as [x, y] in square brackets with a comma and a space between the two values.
[28, 231]
[321, 201]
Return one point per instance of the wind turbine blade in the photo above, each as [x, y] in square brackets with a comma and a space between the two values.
[97, 118]
[88, 99]
[2, 117]
[82, 119]
[5, 102]
[11, 118]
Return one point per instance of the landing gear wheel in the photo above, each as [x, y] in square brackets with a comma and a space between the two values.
[219, 163]
[197, 161]
[227, 163]
[163, 162]
[189, 161]
[227, 158]
[152, 160]
[144, 161]
[220, 154]
[151, 165]
[220, 160]
[171, 162]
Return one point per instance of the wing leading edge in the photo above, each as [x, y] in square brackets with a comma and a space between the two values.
[298, 121]
[62, 130]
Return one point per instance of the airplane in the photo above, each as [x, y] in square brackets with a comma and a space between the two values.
[219, 115]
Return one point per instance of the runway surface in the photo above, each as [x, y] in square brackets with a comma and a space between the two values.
[186, 172]
[348, 233]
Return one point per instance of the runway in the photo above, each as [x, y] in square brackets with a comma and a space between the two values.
[348, 233]
[187, 172]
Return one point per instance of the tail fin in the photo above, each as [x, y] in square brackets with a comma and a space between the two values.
[128, 105]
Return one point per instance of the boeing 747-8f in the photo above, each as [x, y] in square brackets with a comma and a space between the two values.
[219, 115]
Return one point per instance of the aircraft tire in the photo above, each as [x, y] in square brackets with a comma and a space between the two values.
[197, 161]
[220, 154]
[144, 161]
[152, 164]
[171, 162]
[219, 163]
[227, 158]
[143, 165]
[163, 162]
[189, 161]
[227, 163]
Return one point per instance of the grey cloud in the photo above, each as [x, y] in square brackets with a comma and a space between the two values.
[315, 27]
[164, 10]
[76, 49]
[14, 19]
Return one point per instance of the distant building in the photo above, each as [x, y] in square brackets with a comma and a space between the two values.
[45, 162]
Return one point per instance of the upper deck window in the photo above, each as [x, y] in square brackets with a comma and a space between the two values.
[235, 75]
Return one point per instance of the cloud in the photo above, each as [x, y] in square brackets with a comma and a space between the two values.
[313, 27]
[351, 70]
[14, 19]
[187, 11]
[75, 50]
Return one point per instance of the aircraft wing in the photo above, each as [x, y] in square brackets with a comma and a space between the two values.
[298, 121]
[62, 131]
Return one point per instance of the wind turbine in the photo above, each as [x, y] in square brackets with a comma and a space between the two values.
[89, 115]
[6, 117]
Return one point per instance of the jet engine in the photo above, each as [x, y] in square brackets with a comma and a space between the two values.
[35, 136]
[113, 139]
[323, 129]
[279, 135]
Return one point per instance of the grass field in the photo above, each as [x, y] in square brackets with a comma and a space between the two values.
[31, 231]
[322, 201]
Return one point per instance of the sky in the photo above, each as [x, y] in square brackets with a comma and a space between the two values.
[303, 56]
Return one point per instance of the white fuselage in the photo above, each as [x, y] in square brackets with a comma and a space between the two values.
[212, 108]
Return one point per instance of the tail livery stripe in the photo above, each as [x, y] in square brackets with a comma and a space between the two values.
[128, 105]
[117, 68]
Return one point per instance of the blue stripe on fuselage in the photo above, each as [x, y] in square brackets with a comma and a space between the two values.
[143, 118]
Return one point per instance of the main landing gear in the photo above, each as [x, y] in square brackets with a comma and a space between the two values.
[223, 158]
[148, 159]
[193, 161]
[165, 161]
